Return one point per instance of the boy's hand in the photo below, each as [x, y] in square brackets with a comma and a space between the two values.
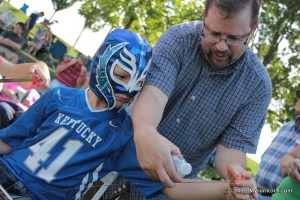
[242, 184]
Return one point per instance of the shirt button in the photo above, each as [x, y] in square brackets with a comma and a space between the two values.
[193, 98]
[178, 120]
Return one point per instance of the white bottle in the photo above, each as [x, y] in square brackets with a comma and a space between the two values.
[182, 167]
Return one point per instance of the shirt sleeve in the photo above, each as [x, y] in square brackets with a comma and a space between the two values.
[165, 62]
[244, 130]
[27, 125]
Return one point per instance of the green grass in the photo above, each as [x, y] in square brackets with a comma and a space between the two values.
[23, 17]
[211, 173]
[252, 166]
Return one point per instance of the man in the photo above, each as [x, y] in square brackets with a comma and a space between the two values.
[270, 174]
[11, 42]
[31, 21]
[205, 89]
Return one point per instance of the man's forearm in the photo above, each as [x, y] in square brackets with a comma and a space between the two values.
[149, 107]
[7, 42]
[226, 156]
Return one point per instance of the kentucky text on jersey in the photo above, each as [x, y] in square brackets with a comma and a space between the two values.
[81, 128]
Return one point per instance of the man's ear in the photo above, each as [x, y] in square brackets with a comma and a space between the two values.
[255, 26]
[203, 14]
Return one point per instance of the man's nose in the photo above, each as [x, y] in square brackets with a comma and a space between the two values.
[222, 44]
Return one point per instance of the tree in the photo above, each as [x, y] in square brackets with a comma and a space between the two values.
[278, 47]
[276, 44]
[148, 17]
[60, 5]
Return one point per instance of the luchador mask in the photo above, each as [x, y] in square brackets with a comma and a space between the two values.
[127, 50]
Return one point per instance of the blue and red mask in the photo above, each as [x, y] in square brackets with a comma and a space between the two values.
[127, 50]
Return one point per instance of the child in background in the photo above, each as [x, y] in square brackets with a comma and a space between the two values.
[42, 37]
[15, 98]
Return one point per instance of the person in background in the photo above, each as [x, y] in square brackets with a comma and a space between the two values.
[15, 99]
[269, 174]
[42, 37]
[11, 42]
[36, 70]
[205, 89]
[31, 21]
[289, 187]
[70, 73]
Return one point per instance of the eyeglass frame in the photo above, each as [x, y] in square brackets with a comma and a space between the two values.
[226, 39]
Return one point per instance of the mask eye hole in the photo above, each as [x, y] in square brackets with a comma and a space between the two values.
[121, 74]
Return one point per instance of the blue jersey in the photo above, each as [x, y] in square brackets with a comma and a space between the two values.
[61, 146]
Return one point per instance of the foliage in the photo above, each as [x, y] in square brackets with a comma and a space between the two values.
[149, 18]
[276, 44]
[60, 5]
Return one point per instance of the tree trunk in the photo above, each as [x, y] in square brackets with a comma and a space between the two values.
[79, 36]
[52, 16]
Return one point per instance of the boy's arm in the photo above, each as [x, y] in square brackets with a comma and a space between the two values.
[190, 189]
[239, 187]
[4, 148]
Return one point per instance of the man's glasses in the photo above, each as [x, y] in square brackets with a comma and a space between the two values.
[230, 40]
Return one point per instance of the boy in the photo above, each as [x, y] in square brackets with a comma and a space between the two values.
[74, 137]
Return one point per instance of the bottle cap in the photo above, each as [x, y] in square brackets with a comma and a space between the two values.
[184, 169]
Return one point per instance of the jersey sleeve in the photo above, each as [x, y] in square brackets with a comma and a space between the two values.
[129, 168]
[26, 126]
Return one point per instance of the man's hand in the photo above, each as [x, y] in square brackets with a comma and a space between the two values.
[293, 170]
[242, 185]
[154, 155]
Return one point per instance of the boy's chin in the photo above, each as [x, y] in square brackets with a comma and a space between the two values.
[119, 104]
